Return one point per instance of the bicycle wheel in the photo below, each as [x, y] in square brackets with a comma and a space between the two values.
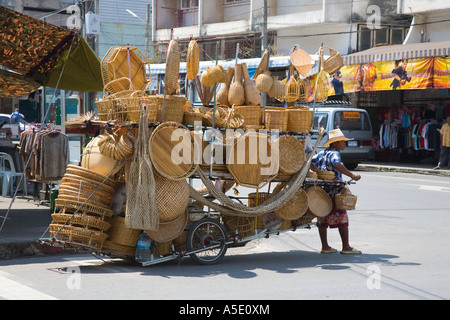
[208, 237]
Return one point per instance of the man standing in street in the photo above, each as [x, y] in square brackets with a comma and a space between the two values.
[444, 158]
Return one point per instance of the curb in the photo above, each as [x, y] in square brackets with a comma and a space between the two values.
[34, 248]
[375, 167]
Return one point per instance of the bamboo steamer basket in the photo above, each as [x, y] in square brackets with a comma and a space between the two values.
[252, 95]
[248, 165]
[83, 172]
[296, 207]
[80, 207]
[121, 235]
[292, 155]
[236, 94]
[126, 61]
[319, 202]
[93, 160]
[84, 221]
[161, 148]
[173, 108]
[263, 64]
[170, 230]
[192, 60]
[251, 115]
[172, 68]
[276, 118]
[264, 81]
[222, 94]
[299, 119]
[255, 199]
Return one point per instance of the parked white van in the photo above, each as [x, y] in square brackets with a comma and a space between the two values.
[353, 122]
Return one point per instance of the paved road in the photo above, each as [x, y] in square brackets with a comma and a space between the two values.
[401, 225]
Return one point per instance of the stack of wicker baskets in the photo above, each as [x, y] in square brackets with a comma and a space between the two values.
[82, 209]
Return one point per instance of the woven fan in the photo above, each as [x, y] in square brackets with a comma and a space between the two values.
[205, 93]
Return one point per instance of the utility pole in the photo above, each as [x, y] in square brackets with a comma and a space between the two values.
[264, 27]
[147, 30]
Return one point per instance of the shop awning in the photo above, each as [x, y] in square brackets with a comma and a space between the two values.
[399, 52]
[33, 52]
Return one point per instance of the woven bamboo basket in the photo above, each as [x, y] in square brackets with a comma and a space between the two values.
[220, 119]
[89, 174]
[81, 220]
[169, 230]
[291, 155]
[172, 68]
[173, 108]
[285, 224]
[161, 146]
[299, 119]
[189, 118]
[114, 249]
[192, 60]
[319, 202]
[278, 89]
[163, 248]
[122, 106]
[345, 200]
[72, 206]
[179, 242]
[89, 184]
[78, 236]
[251, 114]
[333, 63]
[264, 81]
[248, 165]
[245, 226]
[74, 197]
[302, 61]
[121, 235]
[118, 85]
[103, 199]
[305, 219]
[322, 87]
[302, 90]
[276, 118]
[281, 97]
[296, 207]
[172, 198]
[292, 92]
[93, 160]
[256, 199]
[326, 175]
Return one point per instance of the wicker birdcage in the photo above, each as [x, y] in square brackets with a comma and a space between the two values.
[292, 92]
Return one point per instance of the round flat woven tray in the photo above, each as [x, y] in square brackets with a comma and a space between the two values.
[296, 207]
[319, 202]
[291, 155]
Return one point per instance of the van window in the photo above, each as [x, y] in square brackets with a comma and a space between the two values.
[351, 120]
[320, 120]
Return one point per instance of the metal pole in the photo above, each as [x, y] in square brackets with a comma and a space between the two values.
[147, 30]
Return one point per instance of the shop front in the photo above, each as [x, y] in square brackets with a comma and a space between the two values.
[405, 88]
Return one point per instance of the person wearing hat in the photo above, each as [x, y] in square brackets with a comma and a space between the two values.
[330, 160]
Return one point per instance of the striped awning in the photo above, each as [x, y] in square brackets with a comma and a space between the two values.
[399, 52]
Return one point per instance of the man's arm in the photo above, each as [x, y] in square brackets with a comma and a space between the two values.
[342, 169]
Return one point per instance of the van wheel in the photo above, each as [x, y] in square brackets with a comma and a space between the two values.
[351, 165]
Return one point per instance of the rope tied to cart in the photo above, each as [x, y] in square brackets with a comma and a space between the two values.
[228, 207]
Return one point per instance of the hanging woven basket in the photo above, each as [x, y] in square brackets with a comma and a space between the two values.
[192, 60]
[172, 68]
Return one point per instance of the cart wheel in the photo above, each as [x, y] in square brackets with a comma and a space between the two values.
[209, 237]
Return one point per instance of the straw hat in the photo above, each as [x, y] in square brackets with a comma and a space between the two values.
[335, 135]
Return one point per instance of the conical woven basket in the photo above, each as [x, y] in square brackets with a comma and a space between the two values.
[263, 64]
[172, 197]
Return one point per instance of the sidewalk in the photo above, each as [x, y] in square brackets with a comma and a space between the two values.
[28, 221]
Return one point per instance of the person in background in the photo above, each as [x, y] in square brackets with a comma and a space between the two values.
[338, 85]
[330, 160]
[444, 158]
[16, 116]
